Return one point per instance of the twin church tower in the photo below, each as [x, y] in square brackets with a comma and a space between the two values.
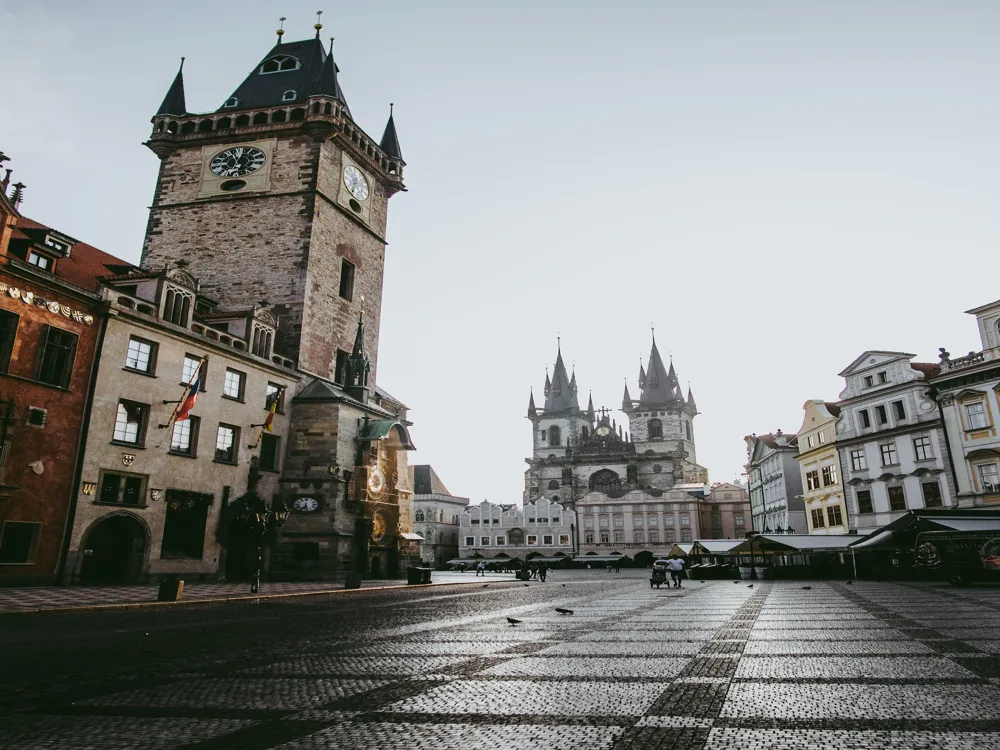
[576, 451]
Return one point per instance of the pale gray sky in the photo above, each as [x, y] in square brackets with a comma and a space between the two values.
[778, 186]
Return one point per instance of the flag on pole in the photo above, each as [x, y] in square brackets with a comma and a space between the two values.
[269, 420]
[190, 394]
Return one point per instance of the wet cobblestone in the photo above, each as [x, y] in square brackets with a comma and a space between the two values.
[710, 667]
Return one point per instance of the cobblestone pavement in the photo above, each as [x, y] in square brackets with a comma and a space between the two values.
[713, 666]
[42, 598]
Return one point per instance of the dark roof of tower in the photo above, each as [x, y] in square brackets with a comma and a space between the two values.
[314, 75]
[426, 481]
[562, 394]
[659, 386]
[390, 142]
[173, 102]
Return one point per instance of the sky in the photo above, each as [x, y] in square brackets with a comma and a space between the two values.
[775, 186]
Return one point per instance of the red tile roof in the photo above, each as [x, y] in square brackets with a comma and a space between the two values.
[930, 369]
[85, 264]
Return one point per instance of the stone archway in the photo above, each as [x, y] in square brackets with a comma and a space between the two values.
[113, 550]
[643, 559]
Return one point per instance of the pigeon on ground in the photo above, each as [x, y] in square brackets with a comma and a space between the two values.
[807, 587]
[750, 586]
[564, 611]
[850, 581]
[700, 581]
[735, 581]
[512, 621]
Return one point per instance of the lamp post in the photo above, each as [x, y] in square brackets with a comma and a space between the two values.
[259, 519]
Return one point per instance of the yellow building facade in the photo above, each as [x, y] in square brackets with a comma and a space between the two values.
[819, 463]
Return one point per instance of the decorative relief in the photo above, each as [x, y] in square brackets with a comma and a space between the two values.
[30, 298]
[88, 488]
[128, 459]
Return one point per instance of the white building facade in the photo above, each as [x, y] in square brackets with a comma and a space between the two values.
[540, 529]
[775, 484]
[891, 440]
[436, 516]
[968, 392]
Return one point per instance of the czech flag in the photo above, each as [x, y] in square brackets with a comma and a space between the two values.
[191, 394]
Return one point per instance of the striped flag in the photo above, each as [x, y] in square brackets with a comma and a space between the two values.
[269, 420]
[190, 394]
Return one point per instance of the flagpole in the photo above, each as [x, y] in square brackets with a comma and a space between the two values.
[187, 389]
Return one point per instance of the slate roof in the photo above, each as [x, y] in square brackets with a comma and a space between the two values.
[426, 481]
[658, 388]
[561, 395]
[390, 142]
[317, 74]
[85, 264]
[173, 102]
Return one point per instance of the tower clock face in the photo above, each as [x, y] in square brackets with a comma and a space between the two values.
[305, 504]
[356, 183]
[237, 162]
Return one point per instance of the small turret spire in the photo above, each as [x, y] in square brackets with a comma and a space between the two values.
[626, 399]
[173, 103]
[358, 365]
[318, 26]
[590, 407]
[390, 141]
[532, 411]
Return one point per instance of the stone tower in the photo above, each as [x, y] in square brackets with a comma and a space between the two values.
[280, 196]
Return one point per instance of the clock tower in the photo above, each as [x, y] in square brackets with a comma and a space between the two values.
[279, 196]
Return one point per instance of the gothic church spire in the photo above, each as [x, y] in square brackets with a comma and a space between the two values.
[173, 102]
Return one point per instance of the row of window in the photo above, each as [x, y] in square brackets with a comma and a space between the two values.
[989, 478]
[881, 413]
[829, 477]
[834, 515]
[56, 353]
[531, 540]
[887, 452]
[132, 420]
[653, 537]
[421, 516]
[556, 520]
[811, 440]
[683, 519]
[897, 497]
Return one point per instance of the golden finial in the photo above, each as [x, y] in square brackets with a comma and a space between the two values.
[318, 26]
[281, 28]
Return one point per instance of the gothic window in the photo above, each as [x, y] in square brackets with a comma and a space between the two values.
[261, 342]
[555, 435]
[418, 516]
[657, 468]
[567, 476]
[553, 484]
[177, 307]
[584, 433]
[279, 64]
[655, 429]
[605, 481]
[687, 430]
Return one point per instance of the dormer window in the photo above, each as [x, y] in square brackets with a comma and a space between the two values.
[39, 261]
[231, 102]
[289, 96]
[279, 64]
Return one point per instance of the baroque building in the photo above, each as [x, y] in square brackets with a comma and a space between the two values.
[774, 484]
[539, 530]
[436, 514]
[891, 440]
[819, 465]
[967, 389]
[725, 512]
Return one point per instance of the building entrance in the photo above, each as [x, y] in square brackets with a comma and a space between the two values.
[113, 551]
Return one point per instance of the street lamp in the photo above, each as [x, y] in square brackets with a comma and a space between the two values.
[259, 519]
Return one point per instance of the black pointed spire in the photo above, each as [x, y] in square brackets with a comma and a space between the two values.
[358, 365]
[173, 102]
[659, 386]
[327, 83]
[562, 394]
[590, 407]
[626, 399]
[390, 142]
[532, 411]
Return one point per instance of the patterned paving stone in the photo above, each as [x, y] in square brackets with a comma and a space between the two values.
[813, 701]
[35, 732]
[817, 634]
[651, 667]
[798, 739]
[406, 736]
[505, 698]
[242, 693]
[622, 648]
[813, 667]
[362, 666]
[851, 648]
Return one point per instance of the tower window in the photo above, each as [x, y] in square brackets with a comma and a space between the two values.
[279, 64]
[346, 279]
[340, 371]
[687, 430]
[231, 102]
[289, 96]
[655, 429]
[555, 435]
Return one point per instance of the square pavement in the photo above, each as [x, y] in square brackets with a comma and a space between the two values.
[713, 667]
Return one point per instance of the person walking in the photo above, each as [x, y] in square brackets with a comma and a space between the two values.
[481, 569]
[676, 565]
[543, 570]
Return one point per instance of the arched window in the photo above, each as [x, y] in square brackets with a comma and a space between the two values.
[176, 307]
[654, 428]
[687, 430]
[567, 476]
[418, 516]
[289, 96]
[605, 481]
[555, 435]
[231, 102]
[553, 484]
[584, 433]
[279, 64]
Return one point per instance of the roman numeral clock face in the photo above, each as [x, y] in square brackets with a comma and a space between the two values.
[237, 162]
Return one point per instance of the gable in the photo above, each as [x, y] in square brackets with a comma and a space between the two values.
[873, 359]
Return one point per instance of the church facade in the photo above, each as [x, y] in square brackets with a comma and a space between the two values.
[584, 454]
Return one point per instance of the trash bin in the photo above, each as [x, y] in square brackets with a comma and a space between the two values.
[425, 575]
[170, 590]
[745, 571]
[524, 575]
[353, 581]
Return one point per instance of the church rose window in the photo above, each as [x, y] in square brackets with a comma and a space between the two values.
[605, 481]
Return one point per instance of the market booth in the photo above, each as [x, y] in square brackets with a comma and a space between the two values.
[763, 556]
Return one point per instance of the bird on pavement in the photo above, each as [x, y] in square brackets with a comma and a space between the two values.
[807, 587]
[512, 621]
[700, 581]
[735, 581]
[564, 611]
[850, 581]
[750, 586]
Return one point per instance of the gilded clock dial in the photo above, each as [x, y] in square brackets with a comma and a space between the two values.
[356, 183]
[305, 504]
[378, 527]
[603, 430]
[376, 482]
[237, 162]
